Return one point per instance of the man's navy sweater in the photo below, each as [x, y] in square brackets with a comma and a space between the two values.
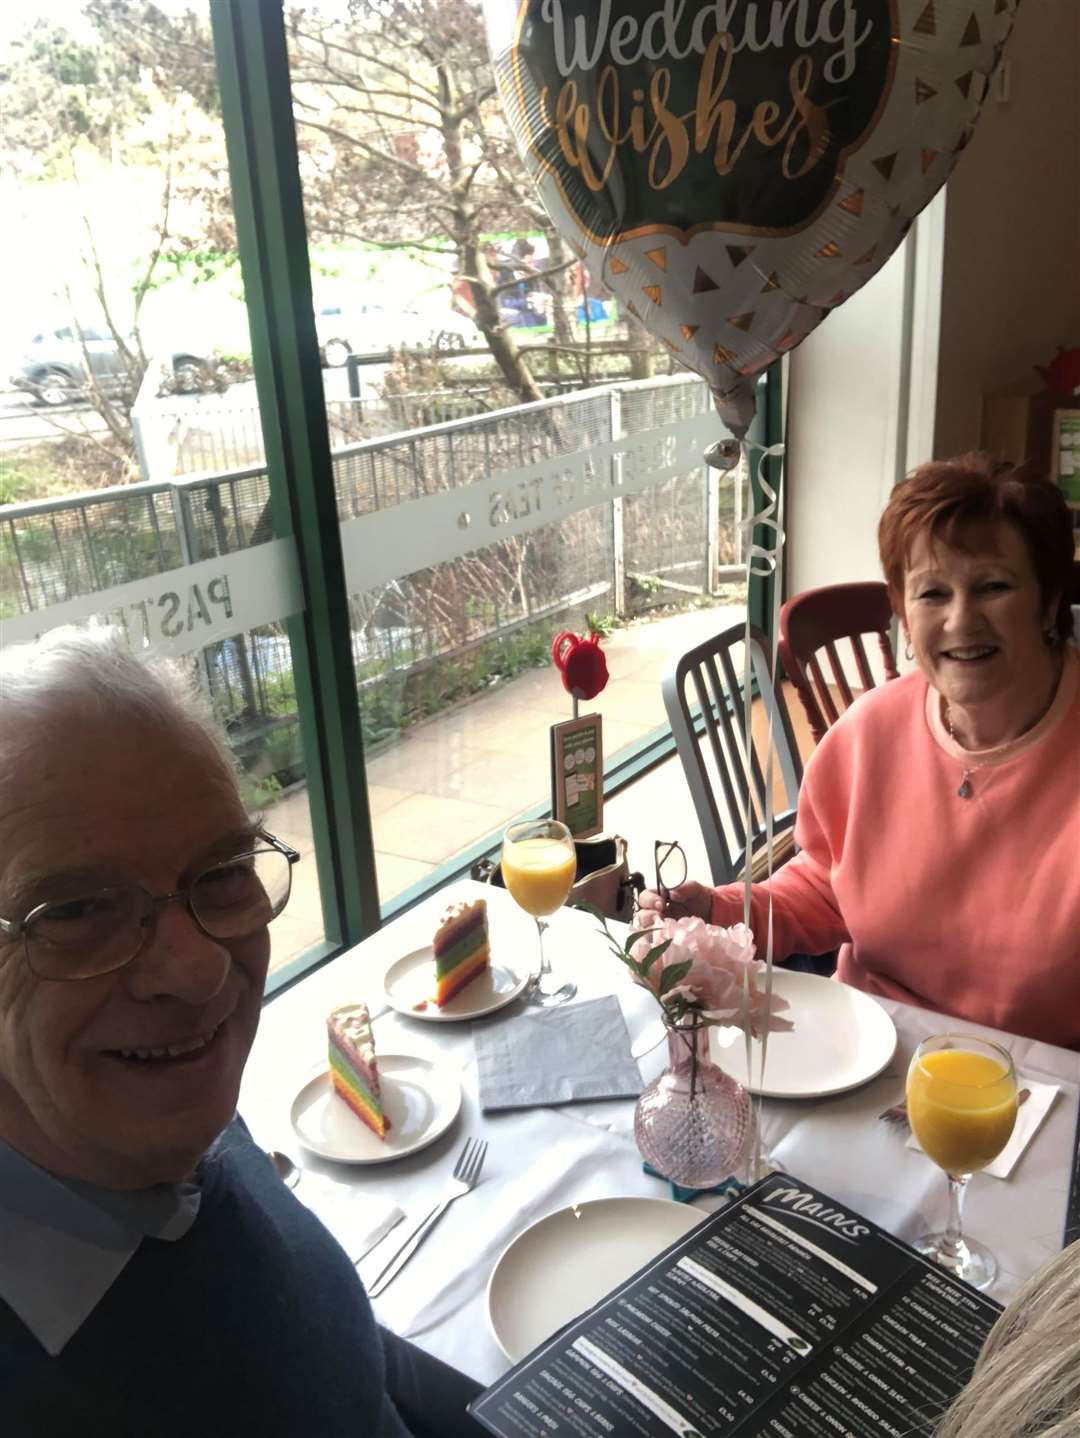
[255, 1322]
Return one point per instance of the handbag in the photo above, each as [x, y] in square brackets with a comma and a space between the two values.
[603, 878]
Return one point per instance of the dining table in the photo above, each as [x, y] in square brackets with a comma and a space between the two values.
[546, 1158]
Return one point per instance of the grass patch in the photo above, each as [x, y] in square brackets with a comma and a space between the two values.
[71, 465]
[31, 473]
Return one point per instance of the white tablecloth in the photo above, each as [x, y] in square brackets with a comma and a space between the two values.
[540, 1160]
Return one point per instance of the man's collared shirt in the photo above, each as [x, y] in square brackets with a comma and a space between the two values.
[63, 1242]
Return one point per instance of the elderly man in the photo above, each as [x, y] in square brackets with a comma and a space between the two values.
[156, 1277]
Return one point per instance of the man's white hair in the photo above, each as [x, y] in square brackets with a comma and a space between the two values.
[70, 671]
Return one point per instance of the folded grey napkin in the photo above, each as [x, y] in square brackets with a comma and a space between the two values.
[550, 1056]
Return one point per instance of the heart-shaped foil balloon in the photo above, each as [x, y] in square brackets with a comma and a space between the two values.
[735, 169]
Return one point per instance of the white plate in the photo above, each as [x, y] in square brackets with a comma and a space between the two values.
[563, 1264]
[420, 1098]
[842, 1038]
[411, 981]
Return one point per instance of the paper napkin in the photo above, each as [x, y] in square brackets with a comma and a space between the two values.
[357, 1220]
[553, 1056]
[1029, 1117]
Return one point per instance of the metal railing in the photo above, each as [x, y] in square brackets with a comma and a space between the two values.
[414, 636]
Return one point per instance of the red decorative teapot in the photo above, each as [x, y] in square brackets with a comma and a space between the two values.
[581, 663]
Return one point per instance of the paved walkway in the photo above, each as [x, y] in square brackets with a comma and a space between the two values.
[468, 772]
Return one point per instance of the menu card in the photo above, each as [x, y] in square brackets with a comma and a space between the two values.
[782, 1316]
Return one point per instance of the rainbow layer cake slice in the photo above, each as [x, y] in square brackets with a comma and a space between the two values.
[461, 948]
[354, 1071]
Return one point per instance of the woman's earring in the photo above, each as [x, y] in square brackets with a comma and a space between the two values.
[1051, 636]
[908, 654]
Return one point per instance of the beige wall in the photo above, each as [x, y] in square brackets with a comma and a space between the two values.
[1011, 280]
[993, 285]
[842, 437]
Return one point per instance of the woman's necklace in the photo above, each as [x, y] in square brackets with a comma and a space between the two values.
[965, 790]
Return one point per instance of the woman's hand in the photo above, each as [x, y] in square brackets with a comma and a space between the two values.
[690, 898]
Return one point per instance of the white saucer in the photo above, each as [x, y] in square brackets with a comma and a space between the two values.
[842, 1038]
[411, 981]
[420, 1098]
[561, 1265]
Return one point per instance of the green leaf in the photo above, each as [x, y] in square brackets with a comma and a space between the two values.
[653, 954]
[635, 936]
[673, 976]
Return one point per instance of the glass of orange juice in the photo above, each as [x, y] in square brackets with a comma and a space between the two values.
[538, 867]
[961, 1100]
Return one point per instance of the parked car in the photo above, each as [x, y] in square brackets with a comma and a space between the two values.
[344, 329]
[446, 330]
[53, 368]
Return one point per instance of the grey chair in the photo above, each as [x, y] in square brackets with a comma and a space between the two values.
[704, 700]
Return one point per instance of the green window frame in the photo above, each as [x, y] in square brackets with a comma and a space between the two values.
[256, 101]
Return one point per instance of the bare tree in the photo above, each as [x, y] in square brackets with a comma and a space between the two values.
[403, 143]
[73, 112]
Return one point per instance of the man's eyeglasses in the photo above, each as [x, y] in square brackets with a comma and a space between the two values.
[96, 932]
[670, 864]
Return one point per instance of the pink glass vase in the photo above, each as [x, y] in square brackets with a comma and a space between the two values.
[694, 1124]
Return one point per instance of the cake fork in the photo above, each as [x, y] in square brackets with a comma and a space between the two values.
[466, 1174]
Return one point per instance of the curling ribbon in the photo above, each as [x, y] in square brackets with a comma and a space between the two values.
[762, 560]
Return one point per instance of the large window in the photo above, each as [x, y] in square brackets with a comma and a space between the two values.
[523, 459]
[361, 516]
[128, 347]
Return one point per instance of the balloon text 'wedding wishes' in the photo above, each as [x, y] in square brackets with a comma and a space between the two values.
[736, 169]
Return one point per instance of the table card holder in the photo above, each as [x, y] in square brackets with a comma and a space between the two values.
[577, 774]
[1065, 454]
[780, 1308]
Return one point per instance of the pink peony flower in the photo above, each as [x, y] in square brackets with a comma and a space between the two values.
[721, 962]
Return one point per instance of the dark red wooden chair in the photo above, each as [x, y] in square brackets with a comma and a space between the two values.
[820, 619]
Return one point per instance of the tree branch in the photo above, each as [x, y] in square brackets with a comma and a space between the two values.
[355, 143]
[368, 57]
[143, 285]
[532, 274]
[429, 247]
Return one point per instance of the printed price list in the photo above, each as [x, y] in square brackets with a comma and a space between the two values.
[782, 1316]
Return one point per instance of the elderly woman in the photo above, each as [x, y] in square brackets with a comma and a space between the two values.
[156, 1276]
[939, 820]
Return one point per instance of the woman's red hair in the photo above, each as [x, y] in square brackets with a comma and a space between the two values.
[945, 497]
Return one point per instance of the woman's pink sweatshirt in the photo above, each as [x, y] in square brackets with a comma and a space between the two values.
[968, 906]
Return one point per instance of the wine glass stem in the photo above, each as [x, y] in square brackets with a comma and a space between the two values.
[545, 967]
[952, 1242]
